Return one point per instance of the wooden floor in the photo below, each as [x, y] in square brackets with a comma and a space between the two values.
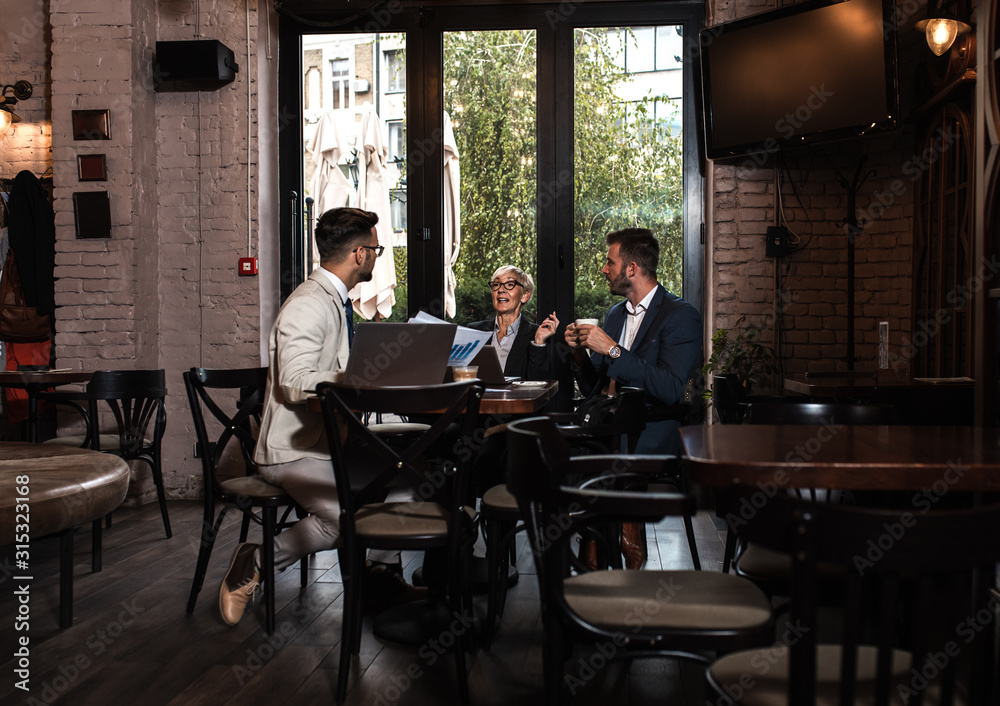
[131, 641]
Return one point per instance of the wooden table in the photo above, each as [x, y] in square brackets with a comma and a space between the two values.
[35, 381]
[516, 399]
[852, 385]
[908, 458]
[856, 385]
[508, 400]
[49, 489]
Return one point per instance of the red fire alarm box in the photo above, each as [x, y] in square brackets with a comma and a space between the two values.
[247, 266]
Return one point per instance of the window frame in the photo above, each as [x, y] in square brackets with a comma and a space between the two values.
[424, 28]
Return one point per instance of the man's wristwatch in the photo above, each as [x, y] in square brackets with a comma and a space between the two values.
[614, 352]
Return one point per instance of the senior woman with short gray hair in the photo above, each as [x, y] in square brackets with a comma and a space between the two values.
[521, 344]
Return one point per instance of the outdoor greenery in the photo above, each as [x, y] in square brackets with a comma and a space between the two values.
[628, 168]
[627, 173]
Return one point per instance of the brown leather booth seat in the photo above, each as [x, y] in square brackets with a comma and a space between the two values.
[66, 487]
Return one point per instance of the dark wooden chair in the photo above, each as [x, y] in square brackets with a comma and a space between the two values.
[502, 518]
[917, 622]
[135, 401]
[639, 613]
[844, 413]
[441, 518]
[233, 398]
[769, 569]
[934, 405]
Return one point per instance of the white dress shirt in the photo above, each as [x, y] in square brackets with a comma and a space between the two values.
[633, 320]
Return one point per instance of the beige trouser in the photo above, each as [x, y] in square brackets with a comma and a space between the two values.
[310, 482]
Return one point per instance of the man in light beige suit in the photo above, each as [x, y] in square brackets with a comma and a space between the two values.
[309, 343]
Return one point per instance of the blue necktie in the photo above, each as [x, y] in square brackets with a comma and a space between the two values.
[349, 310]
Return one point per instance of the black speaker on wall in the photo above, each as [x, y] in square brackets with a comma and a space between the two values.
[193, 65]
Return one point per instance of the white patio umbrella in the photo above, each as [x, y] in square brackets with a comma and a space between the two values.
[328, 187]
[452, 215]
[374, 183]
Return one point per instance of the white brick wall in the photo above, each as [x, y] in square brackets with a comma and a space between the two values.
[163, 290]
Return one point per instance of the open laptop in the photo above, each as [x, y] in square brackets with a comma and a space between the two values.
[396, 354]
[490, 371]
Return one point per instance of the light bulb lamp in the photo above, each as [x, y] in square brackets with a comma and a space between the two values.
[9, 96]
[942, 27]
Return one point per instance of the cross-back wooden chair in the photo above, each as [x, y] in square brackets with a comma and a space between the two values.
[233, 399]
[442, 515]
[640, 613]
[917, 620]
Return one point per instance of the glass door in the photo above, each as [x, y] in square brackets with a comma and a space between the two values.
[353, 152]
[628, 151]
[490, 140]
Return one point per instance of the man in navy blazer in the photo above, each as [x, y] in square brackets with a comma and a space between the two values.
[651, 340]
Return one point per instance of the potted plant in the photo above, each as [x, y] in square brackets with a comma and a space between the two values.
[738, 354]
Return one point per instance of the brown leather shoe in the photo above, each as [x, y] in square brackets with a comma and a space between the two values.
[588, 553]
[239, 585]
[384, 587]
[634, 544]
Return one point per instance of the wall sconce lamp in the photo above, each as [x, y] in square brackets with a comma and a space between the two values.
[942, 27]
[9, 96]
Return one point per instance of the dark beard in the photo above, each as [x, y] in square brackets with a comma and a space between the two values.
[620, 285]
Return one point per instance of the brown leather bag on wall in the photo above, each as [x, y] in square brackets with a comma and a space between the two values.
[19, 323]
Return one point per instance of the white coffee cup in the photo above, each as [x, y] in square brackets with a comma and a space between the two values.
[587, 322]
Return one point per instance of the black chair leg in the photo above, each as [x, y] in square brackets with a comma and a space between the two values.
[463, 640]
[161, 495]
[692, 544]
[727, 558]
[208, 534]
[95, 545]
[352, 605]
[66, 577]
[270, 520]
[493, 549]
[245, 528]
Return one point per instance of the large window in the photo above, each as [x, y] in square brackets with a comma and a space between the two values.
[628, 152]
[489, 97]
[340, 73]
[562, 127]
[395, 71]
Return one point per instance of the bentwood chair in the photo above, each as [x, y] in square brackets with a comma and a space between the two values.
[135, 400]
[233, 400]
[501, 516]
[442, 516]
[641, 613]
[917, 624]
[771, 570]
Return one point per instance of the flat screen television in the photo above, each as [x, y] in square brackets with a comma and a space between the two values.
[813, 72]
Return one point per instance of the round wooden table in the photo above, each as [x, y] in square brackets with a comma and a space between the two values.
[48, 489]
[33, 381]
